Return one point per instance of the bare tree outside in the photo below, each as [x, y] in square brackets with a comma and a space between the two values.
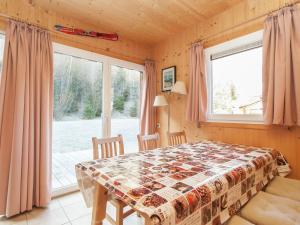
[237, 83]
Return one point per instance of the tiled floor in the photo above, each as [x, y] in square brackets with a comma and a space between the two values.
[67, 210]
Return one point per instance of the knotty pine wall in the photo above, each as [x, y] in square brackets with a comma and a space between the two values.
[27, 11]
[174, 51]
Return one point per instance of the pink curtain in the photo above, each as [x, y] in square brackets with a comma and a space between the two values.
[281, 68]
[197, 96]
[148, 114]
[25, 119]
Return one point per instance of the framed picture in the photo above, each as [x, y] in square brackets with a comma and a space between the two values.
[168, 78]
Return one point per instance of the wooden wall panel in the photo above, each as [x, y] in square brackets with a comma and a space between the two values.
[174, 51]
[147, 21]
[27, 11]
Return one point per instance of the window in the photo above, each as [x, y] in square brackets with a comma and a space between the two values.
[234, 72]
[94, 96]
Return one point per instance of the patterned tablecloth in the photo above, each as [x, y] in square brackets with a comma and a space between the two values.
[200, 183]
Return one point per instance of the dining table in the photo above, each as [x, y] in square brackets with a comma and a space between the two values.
[205, 182]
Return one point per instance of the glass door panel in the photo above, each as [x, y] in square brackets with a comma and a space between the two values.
[125, 105]
[77, 115]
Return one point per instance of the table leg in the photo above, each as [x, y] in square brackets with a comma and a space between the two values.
[99, 204]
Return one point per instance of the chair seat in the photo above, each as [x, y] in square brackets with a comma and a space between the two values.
[268, 209]
[285, 187]
[237, 220]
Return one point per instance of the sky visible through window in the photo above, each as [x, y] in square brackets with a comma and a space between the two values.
[237, 83]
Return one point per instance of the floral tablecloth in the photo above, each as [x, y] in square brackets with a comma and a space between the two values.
[201, 183]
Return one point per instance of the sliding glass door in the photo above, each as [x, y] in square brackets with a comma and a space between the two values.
[125, 101]
[77, 114]
[94, 96]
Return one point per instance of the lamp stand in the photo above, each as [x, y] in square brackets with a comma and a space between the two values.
[168, 118]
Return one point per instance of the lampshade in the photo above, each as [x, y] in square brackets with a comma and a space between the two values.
[160, 100]
[179, 88]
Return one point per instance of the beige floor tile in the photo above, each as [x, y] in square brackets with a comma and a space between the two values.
[105, 222]
[54, 204]
[16, 220]
[85, 220]
[63, 210]
[47, 217]
[111, 210]
[70, 199]
[77, 210]
[133, 219]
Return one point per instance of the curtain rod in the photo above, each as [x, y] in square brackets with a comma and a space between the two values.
[4, 16]
[243, 23]
[59, 34]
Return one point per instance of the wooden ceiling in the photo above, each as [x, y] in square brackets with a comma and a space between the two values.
[145, 21]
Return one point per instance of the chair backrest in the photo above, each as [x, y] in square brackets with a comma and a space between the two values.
[176, 138]
[109, 147]
[148, 142]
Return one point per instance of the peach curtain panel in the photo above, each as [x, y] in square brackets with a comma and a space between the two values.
[148, 112]
[197, 96]
[26, 92]
[281, 68]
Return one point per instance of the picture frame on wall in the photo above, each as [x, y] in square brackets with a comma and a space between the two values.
[168, 78]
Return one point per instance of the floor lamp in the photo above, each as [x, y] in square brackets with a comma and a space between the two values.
[161, 101]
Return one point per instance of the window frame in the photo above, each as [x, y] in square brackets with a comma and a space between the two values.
[107, 63]
[227, 46]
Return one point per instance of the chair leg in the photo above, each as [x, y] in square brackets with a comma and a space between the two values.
[119, 215]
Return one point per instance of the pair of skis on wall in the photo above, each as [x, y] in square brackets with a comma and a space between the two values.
[80, 32]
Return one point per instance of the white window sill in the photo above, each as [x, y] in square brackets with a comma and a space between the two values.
[260, 122]
[253, 125]
[235, 118]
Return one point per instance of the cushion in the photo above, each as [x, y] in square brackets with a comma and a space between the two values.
[285, 187]
[237, 220]
[268, 209]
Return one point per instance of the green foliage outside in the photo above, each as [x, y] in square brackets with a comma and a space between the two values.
[77, 88]
[118, 104]
[125, 91]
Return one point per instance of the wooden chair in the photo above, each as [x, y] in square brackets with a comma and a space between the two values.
[176, 138]
[148, 142]
[110, 147]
